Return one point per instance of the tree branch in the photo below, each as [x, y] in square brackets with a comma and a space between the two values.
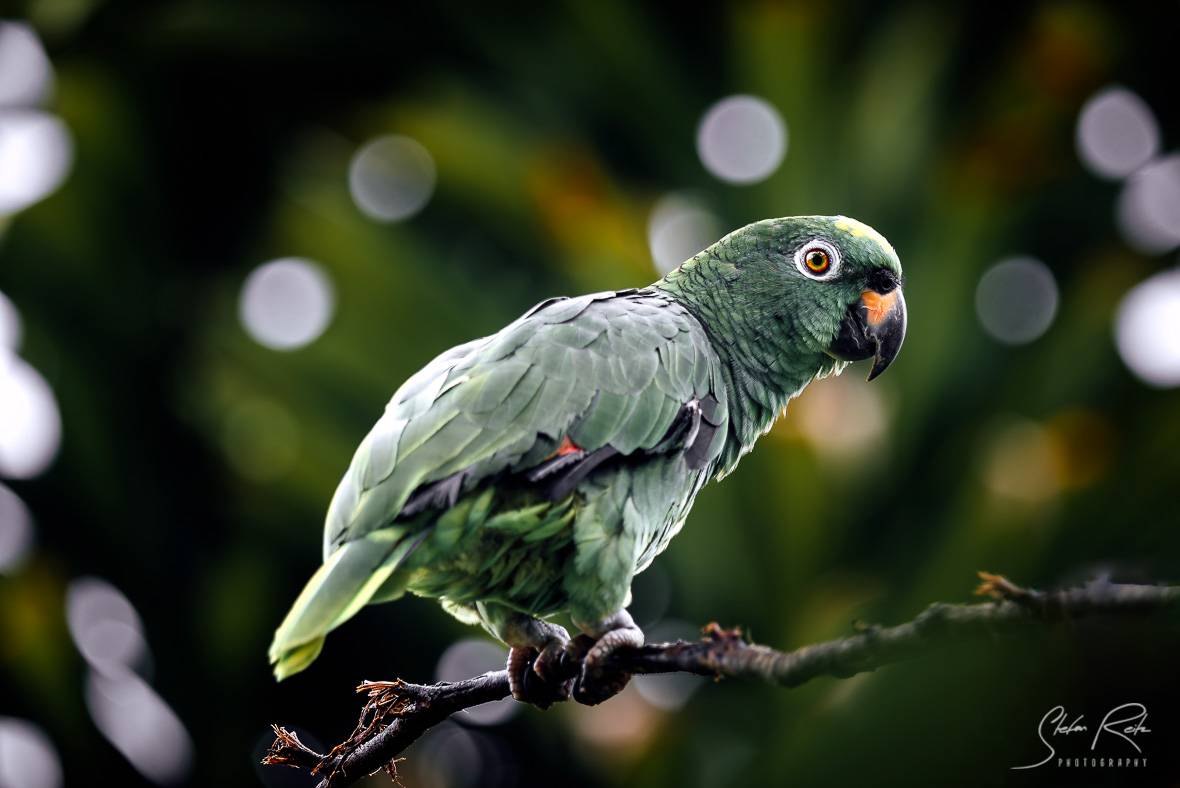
[397, 713]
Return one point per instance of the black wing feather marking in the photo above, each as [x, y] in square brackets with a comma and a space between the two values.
[696, 452]
[553, 465]
[437, 495]
[692, 432]
[565, 484]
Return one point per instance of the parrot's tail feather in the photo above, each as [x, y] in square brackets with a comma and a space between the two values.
[297, 659]
[345, 583]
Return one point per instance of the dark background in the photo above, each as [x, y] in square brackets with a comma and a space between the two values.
[211, 137]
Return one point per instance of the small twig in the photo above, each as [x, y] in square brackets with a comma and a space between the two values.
[397, 713]
[287, 750]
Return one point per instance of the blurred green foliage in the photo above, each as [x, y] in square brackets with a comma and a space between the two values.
[196, 464]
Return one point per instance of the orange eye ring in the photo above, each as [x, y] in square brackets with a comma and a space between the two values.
[817, 260]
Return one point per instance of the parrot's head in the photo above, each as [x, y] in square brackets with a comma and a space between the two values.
[832, 283]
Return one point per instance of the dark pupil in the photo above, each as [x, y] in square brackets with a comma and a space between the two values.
[817, 260]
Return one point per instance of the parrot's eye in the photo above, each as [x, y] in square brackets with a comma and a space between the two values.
[817, 259]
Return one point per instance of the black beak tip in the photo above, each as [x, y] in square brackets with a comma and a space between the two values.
[880, 364]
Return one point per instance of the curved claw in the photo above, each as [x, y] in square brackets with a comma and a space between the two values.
[547, 666]
[533, 676]
[520, 661]
[597, 681]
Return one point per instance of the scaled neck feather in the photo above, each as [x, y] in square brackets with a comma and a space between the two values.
[768, 354]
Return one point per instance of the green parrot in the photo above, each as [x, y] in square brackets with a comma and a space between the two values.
[536, 471]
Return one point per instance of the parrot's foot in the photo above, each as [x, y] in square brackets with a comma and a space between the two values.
[534, 661]
[528, 672]
[598, 681]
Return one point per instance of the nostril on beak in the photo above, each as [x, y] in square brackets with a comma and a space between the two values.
[883, 281]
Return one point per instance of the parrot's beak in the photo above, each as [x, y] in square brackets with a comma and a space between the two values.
[873, 327]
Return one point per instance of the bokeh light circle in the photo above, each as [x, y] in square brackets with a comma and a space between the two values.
[391, 178]
[843, 419]
[1146, 331]
[36, 152]
[1021, 462]
[30, 423]
[449, 755]
[471, 657]
[27, 757]
[678, 228]
[10, 325]
[669, 691]
[140, 725]
[1148, 208]
[1016, 300]
[16, 530]
[287, 303]
[742, 139]
[1116, 133]
[104, 625]
[26, 77]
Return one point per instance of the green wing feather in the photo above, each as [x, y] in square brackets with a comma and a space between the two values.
[600, 369]
[603, 369]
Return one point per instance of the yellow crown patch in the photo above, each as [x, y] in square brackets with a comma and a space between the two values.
[859, 229]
